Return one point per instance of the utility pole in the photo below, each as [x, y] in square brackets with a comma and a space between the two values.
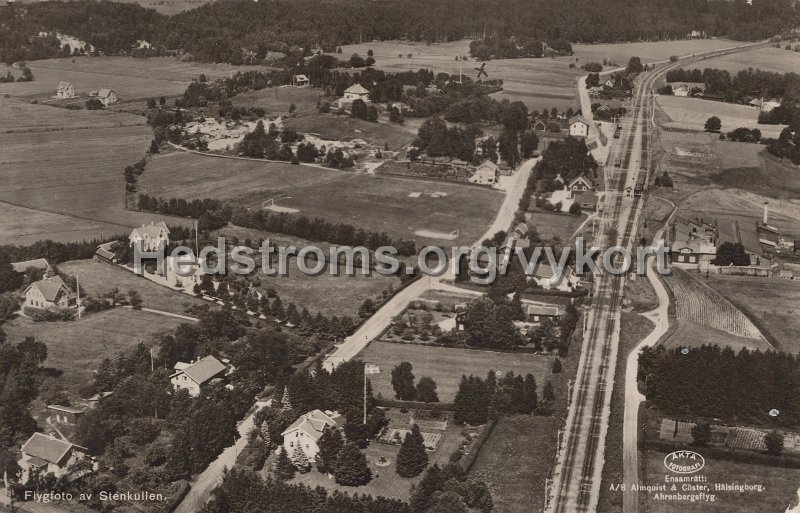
[78, 300]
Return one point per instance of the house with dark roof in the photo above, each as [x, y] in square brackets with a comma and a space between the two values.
[48, 454]
[49, 293]
[193, 376]
[306, 431]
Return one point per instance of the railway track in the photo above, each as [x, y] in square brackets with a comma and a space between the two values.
[580, 458]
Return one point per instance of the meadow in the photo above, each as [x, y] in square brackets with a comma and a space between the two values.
[365, 200]
[649, 52]
[77, 347]
[446, 365]
[772, 59]
[61, 177]
[692, 113]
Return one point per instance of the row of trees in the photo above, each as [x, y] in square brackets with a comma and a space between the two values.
[406, 390]
[478, 400]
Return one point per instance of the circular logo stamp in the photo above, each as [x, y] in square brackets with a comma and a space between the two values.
[684, 462]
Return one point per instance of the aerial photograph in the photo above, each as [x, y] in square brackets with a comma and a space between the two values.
[399, 256]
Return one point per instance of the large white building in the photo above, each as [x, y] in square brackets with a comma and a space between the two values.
[150, 235]
[353, 93]
[193, 376]
[49, 293]
[306, 431]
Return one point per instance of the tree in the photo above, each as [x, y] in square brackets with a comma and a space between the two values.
[701, 434]
[774, 442]
[713, 124]
[265, 436]
[330, 443]
[151, 103]
[153, 147]
[528, 142]
[284, 469]
[730, 253]
[356, 61]
[300, 460]
[351, 467]
[412, 458]
[359, 110]
[471, 403]
[447, 502]
[426, 390]
[556, 368]
[634, 65]
[9, 278]
[575, 208]
[403, 382]
[134, 299]
[547, 393]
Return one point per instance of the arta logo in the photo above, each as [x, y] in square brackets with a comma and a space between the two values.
[684, 462]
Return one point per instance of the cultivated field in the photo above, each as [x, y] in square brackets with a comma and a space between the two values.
[77, 347]
[692, 113]
[777, 60]
[779, 486]
[649, 52]
[696, 302]
[514, 471]
[771, 302]
[368, 201]
[446, 365]
[68, 171]
[691, 334]
[539, 83]
[99, 278]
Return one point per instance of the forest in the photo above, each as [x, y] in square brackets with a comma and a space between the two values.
[219, 31]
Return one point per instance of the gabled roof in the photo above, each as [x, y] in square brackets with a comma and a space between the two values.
[37, 263]
[491, 165]
[300, 77]
[314, 423]
[356, 89]
[203, 370]
[104, 92]
[546, 310]
[150, 230]
[47, 448]
[66, 409]
[581, 119]
[581, 178]
[64, 85]
[51, 288]
[586, 198]
[543, 270]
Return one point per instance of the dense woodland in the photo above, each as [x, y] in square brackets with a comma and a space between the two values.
[220, 30]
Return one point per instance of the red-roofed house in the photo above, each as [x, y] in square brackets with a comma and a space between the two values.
[48, 454]
[307, 430]
[192, 376]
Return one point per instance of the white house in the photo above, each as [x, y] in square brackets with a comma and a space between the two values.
[300, 81]
[150, 235]
[547, 277]
[353, 93]
[306, 431]
[49, 293]
[579, 126]
[193, 376]
[65, 90]
[107, 96]
[48, 454]
[765, 105]
[485, 174]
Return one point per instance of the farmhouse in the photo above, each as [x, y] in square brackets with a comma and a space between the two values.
[65, 90]
[40, 264]
[48, 454]
[353, 93]
[485, 174]
[580, 183]
[764, 105]
[684, 89]
[64, 414]
[150, 236]
[306, 431]
[300, 81]
[107, 96]
[49, 293]
[547, 278]
[193, 376]
[579, 126]
[107, 252]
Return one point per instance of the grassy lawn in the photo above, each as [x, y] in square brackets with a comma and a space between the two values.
[516, 471]
[691, 334]
[334, 127]
[77, 347]
[367, 201]
[776, 60]
[771, 303]
[779, 486]
[446, 365]
[552, 226]
[98, 278]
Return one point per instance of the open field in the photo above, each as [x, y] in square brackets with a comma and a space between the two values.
[77, 347]
[69, 171]
[446, 365]
[691, 334]
[639, 294]
[99, 278]
[344, 128]
[771, 302]
[276, 100]
[692, 113]
[515, 472]
[750, 167]
[551, 226]
[368, 201]
[779, 485]
[777, 60]
[539, 83]
[649, 52]
[131, 78]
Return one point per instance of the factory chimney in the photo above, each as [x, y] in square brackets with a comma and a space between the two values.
[766, 212]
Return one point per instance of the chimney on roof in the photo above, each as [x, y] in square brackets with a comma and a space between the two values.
[766, 212]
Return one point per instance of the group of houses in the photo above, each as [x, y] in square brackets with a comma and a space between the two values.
[580, 190]
[106, 96]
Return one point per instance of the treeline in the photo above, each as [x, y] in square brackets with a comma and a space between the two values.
[712, 382]
[479, 400]
[787, 145]
[213, 214]
[54, 252]
[240, 30]
[744, 86]
[500, 47]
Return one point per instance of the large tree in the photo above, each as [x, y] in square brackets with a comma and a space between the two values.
[330, 443]
[426, 390]
[412, 458]
[403, 382]
[351, 467]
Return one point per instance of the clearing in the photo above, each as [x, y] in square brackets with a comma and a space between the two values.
[365, 200]
[446, 365]
[777, 60]
[692, 113]
[77, 347]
